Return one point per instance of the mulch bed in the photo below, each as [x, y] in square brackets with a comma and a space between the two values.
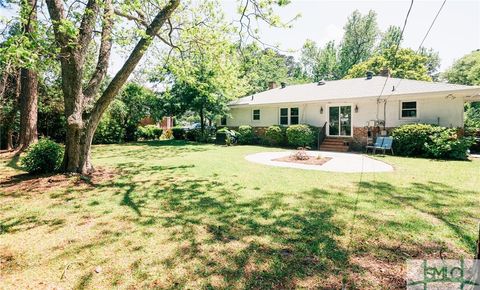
[46, 182]
[312, 160]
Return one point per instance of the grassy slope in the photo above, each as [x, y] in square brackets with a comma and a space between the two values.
[194, 216]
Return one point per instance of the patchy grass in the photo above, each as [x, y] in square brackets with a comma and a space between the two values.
[179, 215]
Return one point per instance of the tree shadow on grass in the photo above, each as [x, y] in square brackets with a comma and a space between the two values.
[440, 201]
[278, 244]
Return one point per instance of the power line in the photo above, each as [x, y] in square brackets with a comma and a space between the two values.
[421, 44]
[396, 50]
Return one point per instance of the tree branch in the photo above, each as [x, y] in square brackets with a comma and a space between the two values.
[122, 75]
[104, 52]
[86, 26]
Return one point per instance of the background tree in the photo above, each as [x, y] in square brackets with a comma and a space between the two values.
[310, 58]
[391, 37]
[206, 80]
[408, 65]
[328, 62]
[465, 71]
[28, 79]
[259, 67]
[358, 42]
[433, 62]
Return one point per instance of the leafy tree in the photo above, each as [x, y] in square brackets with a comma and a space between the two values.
[408, 65]
[139, 103]
[465, 71]
[259, 67]
[310, 57]
[391, 37]
[433, 62]
[206, 80]
[358, 41]
[327, 62]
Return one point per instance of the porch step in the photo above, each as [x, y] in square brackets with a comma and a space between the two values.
[334, 144]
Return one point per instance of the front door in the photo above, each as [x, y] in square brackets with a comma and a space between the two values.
[340, 121]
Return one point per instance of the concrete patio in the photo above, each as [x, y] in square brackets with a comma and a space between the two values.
[340, 162]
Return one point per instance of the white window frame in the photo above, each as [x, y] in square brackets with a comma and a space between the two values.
[289, 115]
[259, 115]
[416, 110]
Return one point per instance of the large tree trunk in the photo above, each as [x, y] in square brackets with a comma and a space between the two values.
[81, 125]
[10, 89]
[29, 87]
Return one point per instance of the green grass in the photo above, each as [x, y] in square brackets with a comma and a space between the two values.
[200, 216]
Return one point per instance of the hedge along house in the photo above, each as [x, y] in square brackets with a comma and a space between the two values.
[351, 112]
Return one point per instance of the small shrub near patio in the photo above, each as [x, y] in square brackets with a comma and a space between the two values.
[149, 132]
[246, 135]
[45, 156]
[178, 133]
[430, 141]
[409, 140]
[300, 136]
[224, 136]
[275, 135]
[446, 144]
[167, 135]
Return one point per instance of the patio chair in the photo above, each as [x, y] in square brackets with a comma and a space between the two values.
[387, 145]
[378, 144]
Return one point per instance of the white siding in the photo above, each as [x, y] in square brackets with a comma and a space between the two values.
[429, 110]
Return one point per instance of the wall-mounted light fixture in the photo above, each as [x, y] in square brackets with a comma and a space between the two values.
[356, 108]
[321, 110]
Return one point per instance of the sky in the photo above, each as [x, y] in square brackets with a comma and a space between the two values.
[455, 33]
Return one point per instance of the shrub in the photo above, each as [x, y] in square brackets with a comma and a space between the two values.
[446, 144]
[224, 136]
[193, 134]
[149, 132]
[167, 135]
[43, 157]
[430, 141]
[409, 140]
[300, 135]
[246, 135]
[109, 131]
[275, 135]
[178, 133]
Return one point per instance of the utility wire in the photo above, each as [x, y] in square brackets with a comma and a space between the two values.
[421, 44]
[396, 48]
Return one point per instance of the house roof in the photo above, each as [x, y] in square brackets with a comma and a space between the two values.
[349, 89]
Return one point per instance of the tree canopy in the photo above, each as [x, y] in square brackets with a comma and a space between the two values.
[408, 65]
[465, 71]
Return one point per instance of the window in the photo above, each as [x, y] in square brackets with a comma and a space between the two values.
[409, 109]
[223, 121]
[293, 116]
[284, 116]
[256, 115]
[289, 116]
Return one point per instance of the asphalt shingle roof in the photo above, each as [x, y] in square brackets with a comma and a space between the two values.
[346, 89]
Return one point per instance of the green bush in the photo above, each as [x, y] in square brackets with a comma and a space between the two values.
[275, 135]
[430, 141]
[42, 157]
[178, 133]
[149, 132]
[446, 144]
[409, 140]
[224, 136]
[109, 131]
[300, 135]
[246, 135]
[193, 135]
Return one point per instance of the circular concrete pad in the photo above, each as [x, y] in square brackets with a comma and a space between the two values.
[340, 162]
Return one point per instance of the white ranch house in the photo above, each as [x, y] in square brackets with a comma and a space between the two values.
[348, 108]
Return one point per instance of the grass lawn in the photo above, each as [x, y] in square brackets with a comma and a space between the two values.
[176, 215]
